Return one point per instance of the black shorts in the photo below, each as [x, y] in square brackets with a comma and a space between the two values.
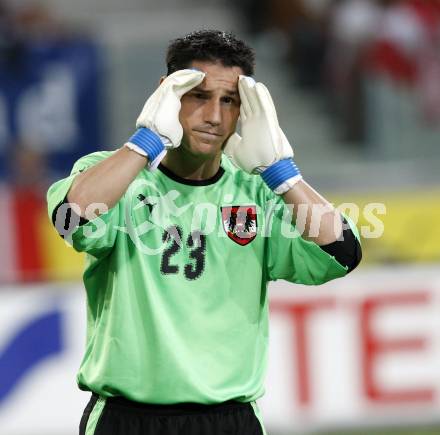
[119, 416]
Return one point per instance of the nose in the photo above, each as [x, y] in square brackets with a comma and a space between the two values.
[212, 112]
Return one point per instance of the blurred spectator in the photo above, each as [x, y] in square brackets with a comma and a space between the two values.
[301, 24]
[11, 46]
[33, 21]
[30, 171]
[21, 23]
[406, 50]
[49, 116]
[308, 41]
[353, 25]
[49, 86]
[23, 212]
[253, 14]
[338, 45]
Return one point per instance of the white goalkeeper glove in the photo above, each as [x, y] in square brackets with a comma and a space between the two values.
[263, 148]
[158, 126]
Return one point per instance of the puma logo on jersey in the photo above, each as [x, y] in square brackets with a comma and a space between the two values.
[143, 199]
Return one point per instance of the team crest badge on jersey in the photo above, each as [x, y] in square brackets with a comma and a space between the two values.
[240, 223]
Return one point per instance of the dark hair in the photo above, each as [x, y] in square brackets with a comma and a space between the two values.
[210, 45]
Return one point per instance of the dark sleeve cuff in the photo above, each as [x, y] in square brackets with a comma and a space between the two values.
[347, 251]
[63, 228]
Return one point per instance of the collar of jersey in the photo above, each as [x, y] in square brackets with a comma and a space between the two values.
[181, 180]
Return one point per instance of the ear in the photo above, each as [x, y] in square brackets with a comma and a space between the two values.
[162, 79]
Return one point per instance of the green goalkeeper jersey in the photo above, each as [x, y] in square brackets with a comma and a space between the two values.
[176, 281]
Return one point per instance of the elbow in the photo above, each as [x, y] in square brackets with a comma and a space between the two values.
[355, 256]
[347, 252]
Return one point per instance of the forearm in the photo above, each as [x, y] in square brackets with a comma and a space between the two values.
[313, 215]
[107, 181]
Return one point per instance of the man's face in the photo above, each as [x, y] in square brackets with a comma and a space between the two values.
[210, 111]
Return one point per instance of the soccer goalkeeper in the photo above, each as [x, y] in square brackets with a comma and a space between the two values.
[183, 229]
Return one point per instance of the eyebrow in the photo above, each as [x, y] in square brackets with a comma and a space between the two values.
[206, 91]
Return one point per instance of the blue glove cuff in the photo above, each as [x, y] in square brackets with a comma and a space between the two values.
[148, 141]
[279, 172]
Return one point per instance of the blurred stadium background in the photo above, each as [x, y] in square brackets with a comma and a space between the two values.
[357, 87]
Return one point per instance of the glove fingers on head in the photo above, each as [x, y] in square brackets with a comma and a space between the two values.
[182, 76]
[167, 125]
[188, 82]
[265, 100]
[243, 116]
[182, 81]
[272, 105]
[153, 105]
[251, 97]
[245, 106]
[271, 116]
[149, 110]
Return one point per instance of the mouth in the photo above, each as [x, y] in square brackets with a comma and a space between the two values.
[207, 134]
